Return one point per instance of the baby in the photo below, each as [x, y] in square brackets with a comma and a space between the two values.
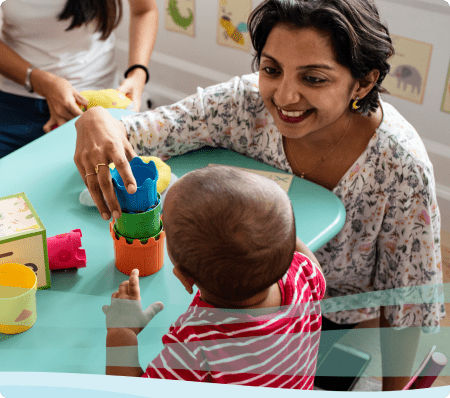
[256, 318]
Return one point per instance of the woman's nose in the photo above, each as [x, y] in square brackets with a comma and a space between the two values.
[287, 93]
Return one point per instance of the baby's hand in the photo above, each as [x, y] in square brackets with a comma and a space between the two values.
[125, 310]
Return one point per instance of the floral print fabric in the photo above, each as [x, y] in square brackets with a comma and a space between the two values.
[390, 239]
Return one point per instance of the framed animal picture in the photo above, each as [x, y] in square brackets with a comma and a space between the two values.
[232, 30]
[180, 16]
[409, 69]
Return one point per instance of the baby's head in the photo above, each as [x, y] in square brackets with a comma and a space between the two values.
[232, 232]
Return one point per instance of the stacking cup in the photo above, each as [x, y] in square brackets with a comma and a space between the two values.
[142, 240]
[18, 285]
[146, 175]
[129, 253]
[140, 225]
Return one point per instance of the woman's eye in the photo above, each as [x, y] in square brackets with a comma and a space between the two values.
[270, 71]
[314, 80]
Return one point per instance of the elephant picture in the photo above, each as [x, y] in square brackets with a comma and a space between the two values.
[408, 75]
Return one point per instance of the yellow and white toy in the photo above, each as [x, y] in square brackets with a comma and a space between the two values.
[108, 99]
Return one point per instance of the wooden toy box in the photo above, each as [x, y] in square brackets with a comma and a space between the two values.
[23, 238]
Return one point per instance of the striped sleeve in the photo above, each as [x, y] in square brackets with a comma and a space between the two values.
[178, 361]
[314, 276]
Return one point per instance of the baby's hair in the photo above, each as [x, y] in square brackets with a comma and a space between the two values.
[231, 231]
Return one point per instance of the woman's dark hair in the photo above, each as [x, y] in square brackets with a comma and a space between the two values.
[107, 14]
[361, 40]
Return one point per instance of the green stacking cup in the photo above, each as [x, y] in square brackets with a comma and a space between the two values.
[142, 240]
[140, 225]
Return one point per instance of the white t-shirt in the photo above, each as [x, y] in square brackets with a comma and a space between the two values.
[31, 28]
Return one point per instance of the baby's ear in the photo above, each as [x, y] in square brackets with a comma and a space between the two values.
[184, 279]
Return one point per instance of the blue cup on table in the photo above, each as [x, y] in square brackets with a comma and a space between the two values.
[146, 196]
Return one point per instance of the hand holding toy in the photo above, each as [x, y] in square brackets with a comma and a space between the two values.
[108, 98]
[62, 98]
[133, 86]
[100, 134]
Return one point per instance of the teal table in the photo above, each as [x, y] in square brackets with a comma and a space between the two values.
[69, 335]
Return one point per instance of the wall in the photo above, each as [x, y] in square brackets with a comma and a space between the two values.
[181, 63]
[427, 21]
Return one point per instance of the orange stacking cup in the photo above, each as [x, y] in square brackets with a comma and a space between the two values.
[147, 257]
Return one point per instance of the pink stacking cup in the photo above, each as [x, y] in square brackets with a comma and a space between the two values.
[64, 251]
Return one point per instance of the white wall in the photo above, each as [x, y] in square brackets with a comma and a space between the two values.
[427, 21]
[181, 63]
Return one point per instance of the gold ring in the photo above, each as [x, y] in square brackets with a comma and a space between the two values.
[90, 174]
[96, 167]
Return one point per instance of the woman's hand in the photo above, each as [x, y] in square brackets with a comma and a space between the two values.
[133, 86]
[61, 97]
[102, 139]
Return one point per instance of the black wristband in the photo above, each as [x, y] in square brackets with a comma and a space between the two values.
[135, 67]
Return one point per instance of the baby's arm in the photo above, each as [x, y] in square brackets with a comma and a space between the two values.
[302, 248]
[122, 356]
[124, 321]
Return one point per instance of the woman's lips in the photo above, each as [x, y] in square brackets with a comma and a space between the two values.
[295, 116]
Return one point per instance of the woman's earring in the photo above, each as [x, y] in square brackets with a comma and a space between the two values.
[355, 104]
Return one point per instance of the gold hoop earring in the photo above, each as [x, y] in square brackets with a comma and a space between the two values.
[355, 105]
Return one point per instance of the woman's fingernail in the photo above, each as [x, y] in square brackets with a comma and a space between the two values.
[115, 214]
[131, 187]
[105, 216]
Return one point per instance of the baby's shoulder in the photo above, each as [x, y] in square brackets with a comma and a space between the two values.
[302, 272]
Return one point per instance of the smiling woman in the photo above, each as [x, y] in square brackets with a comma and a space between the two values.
[312, 109]
[309, 97]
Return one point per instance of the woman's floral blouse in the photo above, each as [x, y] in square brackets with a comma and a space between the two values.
[390, 239]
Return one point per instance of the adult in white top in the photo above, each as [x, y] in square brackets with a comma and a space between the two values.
[314, 110]
[70, 45]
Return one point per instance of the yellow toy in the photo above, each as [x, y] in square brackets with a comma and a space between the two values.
[163, 172]
[108, 98]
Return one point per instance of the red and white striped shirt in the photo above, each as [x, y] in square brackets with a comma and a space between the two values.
[268, 347]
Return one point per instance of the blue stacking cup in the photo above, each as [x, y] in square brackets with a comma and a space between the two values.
[146, 175]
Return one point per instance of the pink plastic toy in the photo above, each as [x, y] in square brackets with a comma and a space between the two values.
[64, 251]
